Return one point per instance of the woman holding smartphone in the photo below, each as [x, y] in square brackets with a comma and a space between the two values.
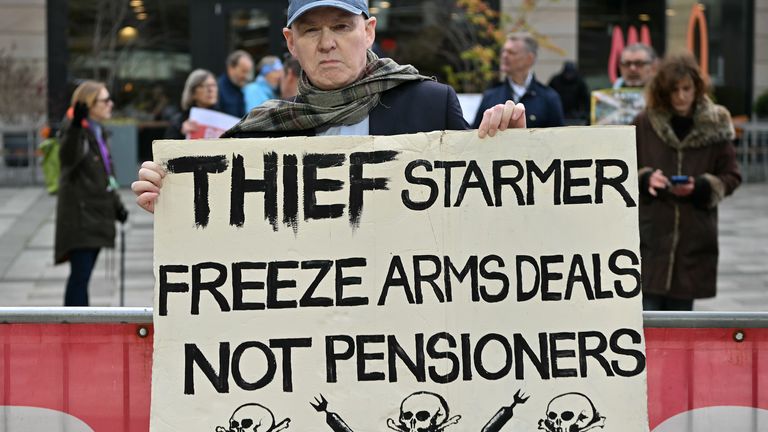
[687, 165]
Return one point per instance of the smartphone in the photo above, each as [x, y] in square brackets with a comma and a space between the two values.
[678, 179]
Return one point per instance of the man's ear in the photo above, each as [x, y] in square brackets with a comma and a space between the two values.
[370, 31]
[288, 35]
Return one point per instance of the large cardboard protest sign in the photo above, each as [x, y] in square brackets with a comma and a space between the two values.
[429, 282]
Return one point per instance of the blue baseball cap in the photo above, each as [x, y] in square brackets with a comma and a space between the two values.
[297, 8]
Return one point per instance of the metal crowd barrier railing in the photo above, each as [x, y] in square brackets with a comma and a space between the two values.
[143, 315]
[98, 371]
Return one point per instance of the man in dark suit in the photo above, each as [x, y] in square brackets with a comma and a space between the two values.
[345, 89]
[231, 83]
[542, 104]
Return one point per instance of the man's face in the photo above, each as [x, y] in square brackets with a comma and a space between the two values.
[241, 73]
[515, 58]
[636, 68]
[331, 45]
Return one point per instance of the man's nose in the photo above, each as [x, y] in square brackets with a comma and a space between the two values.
[327, 40]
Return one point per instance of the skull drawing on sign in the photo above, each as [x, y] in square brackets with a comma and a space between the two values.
[571, 412]
[423, 412]
[253, 418]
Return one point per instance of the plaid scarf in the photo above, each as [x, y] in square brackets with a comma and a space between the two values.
[314, 108]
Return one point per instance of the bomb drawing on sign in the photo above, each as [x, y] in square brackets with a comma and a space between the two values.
[504, 414]
[253, 417]
[423, 412]
[331, 418]
[571, 412]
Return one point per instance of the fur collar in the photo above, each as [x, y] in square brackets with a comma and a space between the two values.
[711, 124]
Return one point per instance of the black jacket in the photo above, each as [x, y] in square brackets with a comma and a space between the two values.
[417, 106]
[86, 210]
[542, 104]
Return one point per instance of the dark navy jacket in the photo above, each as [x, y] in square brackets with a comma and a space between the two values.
[542, 104]
[231, 98]
[417, 106]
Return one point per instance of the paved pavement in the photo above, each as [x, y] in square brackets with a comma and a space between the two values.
[29, 278]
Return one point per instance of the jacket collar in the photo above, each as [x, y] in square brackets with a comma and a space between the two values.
[711, 124]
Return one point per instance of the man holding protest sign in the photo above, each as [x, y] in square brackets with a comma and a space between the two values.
[346, 89]
[406, 283]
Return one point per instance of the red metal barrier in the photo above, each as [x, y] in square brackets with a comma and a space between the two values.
[100, 374]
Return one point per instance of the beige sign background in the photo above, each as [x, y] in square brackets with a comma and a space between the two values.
[431, 282]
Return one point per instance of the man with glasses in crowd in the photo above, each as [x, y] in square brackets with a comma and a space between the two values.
[637, 66]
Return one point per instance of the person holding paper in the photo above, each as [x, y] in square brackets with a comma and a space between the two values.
[88, 204]
[346, 89]
[200, 91]
[687, 165]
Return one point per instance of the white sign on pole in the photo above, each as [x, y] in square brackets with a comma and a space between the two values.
[428, 282]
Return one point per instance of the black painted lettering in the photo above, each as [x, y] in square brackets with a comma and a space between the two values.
[274, 284]
[419, 277]
[478, 183]
[578, 274]
[499, 180]
[503, 290]
[595, 352]
[241, 185]
[193, 356]
[312, 185]
[540, 361]
[166, 287]
[396, 265]
[638, 355]
[344, 281]
[552, 171]
[570, 182]
[332, 356]
[480, 364]
[469, 269]
[270, 361]
[363, 356]
[547, 276]
[621, 271]
[286, 346]
[448, 166]
[522, 294]
[617, 182]
[308, 299]
[358, 183]
[238, 286]
[200, 167]
[556, 354]
[436, 353]
[212, 286]
[405, 195]
[395, 351]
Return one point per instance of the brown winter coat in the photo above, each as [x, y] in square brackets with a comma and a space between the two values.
[86, 210]
[678, 236]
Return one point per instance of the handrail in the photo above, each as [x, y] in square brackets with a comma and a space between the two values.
[143, 315]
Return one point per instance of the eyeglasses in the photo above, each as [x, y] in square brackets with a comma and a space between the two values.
[104, 100]
[635, 63]
[207, 86]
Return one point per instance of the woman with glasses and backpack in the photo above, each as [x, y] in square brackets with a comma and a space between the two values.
[88, 204]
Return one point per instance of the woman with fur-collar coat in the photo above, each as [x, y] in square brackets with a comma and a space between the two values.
[687, 165]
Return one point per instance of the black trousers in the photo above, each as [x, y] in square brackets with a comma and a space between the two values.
[81, 263]
[654, 302]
